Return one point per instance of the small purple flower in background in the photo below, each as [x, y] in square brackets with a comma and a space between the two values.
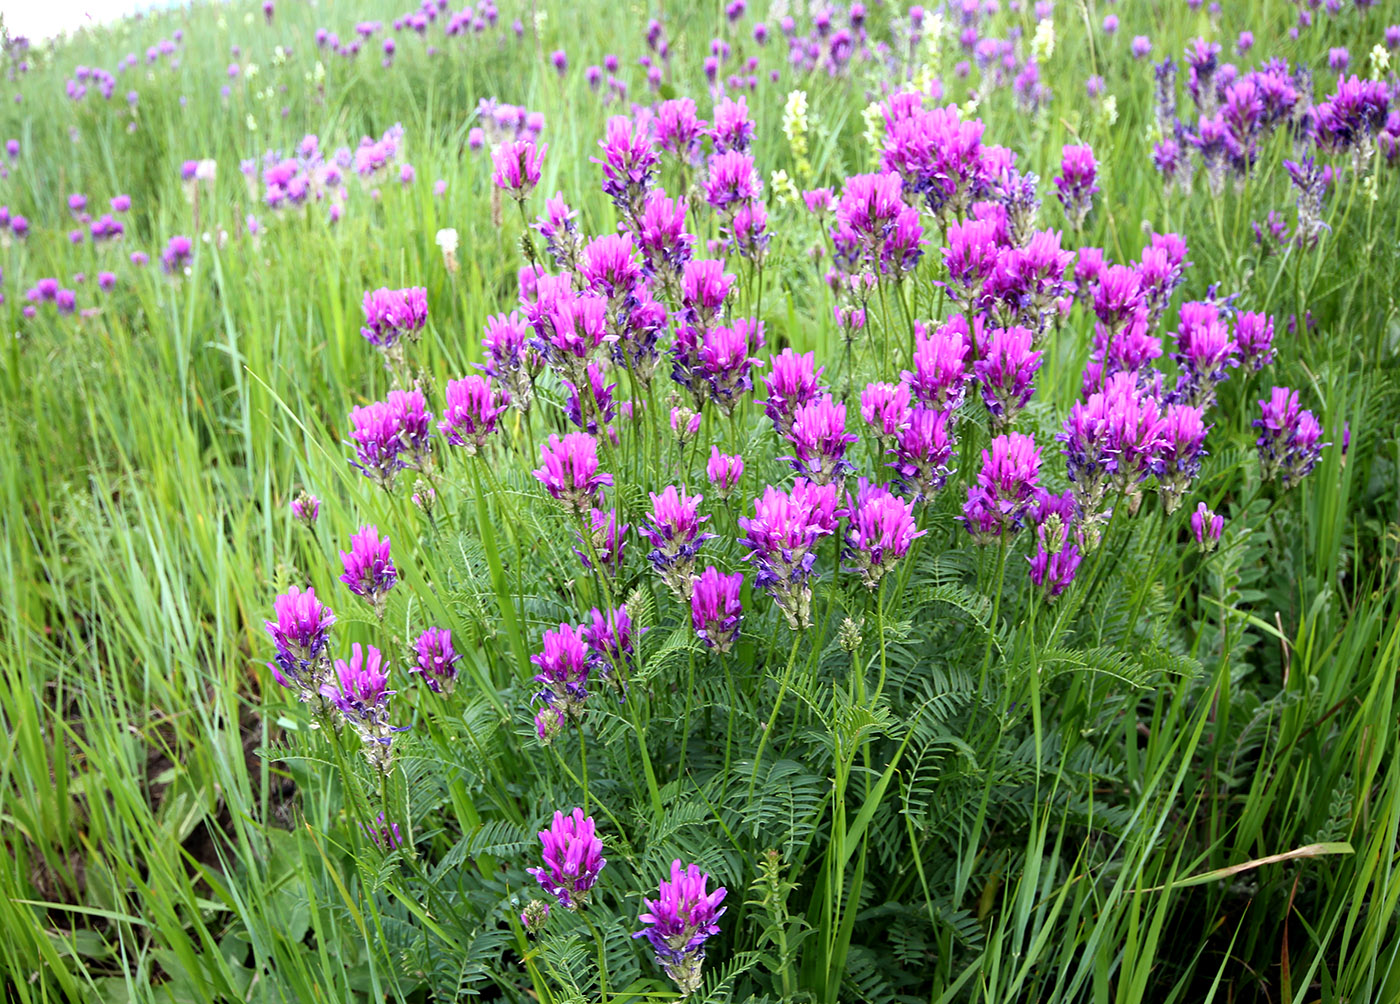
[608, 540]
[369, 571]
[573, 858]
[471, 412]
[563, 677]
[1207, 526]
[882, 528]
[517, 165]
[724, 471]
[1290, 439]
[673, 531]
[1179, 455]
[1141, 47]
[437, 660]
[359, 691]
[386, 836]
[1007, 486]
[1077, 183]
[560, 59]
[176, 256]
[793, 381]
[819, 440]
[569, 470]
[1311, 180]
[679, 921]
[301, 633]
[1007, 370]
[715, 610]
[306, 508]
[939, 377]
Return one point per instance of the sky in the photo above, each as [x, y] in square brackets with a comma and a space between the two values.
[40, 19]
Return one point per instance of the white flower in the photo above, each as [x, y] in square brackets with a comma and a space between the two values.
[1380, 61]
[447, 240]
[1043, 44]
[206, 170]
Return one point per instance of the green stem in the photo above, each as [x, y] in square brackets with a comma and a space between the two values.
[773, 716]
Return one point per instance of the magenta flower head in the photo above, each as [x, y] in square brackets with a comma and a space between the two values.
[726, 363]
[595, 404]
[609, 640]
[732, 129]
[679, 130]
[922, 451]
[1207, 526]
[970, 256]
[301, 632]
[360, 691]
[1205, 352]
[782, 538]
[885, 408]
[1141, 47]
[569, 470]
[661, 236]
[306, 508]
[629, 165]
[369, 571]
[573, 857]
[509, 358]
[731, 180]
[792, 382]
[1178, 460]
[819, 440]
[610, 267]
[724, 471]
[673, 531]
[704, 286]
[1007, 486]
[679, 921]
[391, 314]
[882, 529]
[715, 610]
[563, 678]
[378, 446]
[1077, 183]
[517, 166]
[1290, 440]
[177, 254]
[1007, 370]
[1254, 338]
[939, 377]
[1054, 570]
[474, 406]
[608, 540]
[437, 660]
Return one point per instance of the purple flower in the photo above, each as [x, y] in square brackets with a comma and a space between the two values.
[704, 287]
[1183, 438]
[1007, 486]
[573, 857]
[939, 377]
[607, 538]
[509, 357]
[1076, 184]
[1142, 45]
[882, 528]
[673, 531]
[715, 608]
[569, 470]
[1205, 352]
[792, 382]
[563, 676]
[517, 166]
[782, 538]
[885, 407]
[391, 314]
[369, 571]
[732, 129]
[724, 471]
[1290, 439]
[1007, 370]
[437, 660]
[359, 691]
[472, 410]
[609, 642]
[177, 254]
[970, 256]
[725, 361]
[661, 235]
[922, 452]
[1254, 338]
[386, 836]
[1207, 527]
[679, 921]
[595, 405]
[731, 180]
[306, 508]
[1053, 571]
[819, 440]
[301, 632]
[378, 445]
[629, 164]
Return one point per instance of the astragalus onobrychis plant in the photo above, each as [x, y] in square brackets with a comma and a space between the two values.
[834, 651]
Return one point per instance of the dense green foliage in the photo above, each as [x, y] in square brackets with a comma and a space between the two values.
[945, 790]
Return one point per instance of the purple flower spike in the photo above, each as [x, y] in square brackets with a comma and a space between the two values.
[360, 692]
[1290, 440]
[517, 167]
[608, 541]
[922, 451]
[661, 236]
[673, 531]
[377, 442]
[1254, 337]
[715, 608]
[569, 470]
[1053, 571]
[369, 571]
[563, 678]
[609, 643]
[733, 129]
[724, 471]
[573, 857]
[679, 921]
[726, 363]
[1207, 527]
[1179, 458]
[885, 408]
[306, 509]
[939, 377]
[629, 165]
[819, 440]
[1007, 486]
[882, 529]
[437, 660]
[473, 409]
[793, 381]
[301, 632]
[1007, 370]
[1076, 184]
[782, 538]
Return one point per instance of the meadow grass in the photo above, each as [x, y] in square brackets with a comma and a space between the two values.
[175, 829]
